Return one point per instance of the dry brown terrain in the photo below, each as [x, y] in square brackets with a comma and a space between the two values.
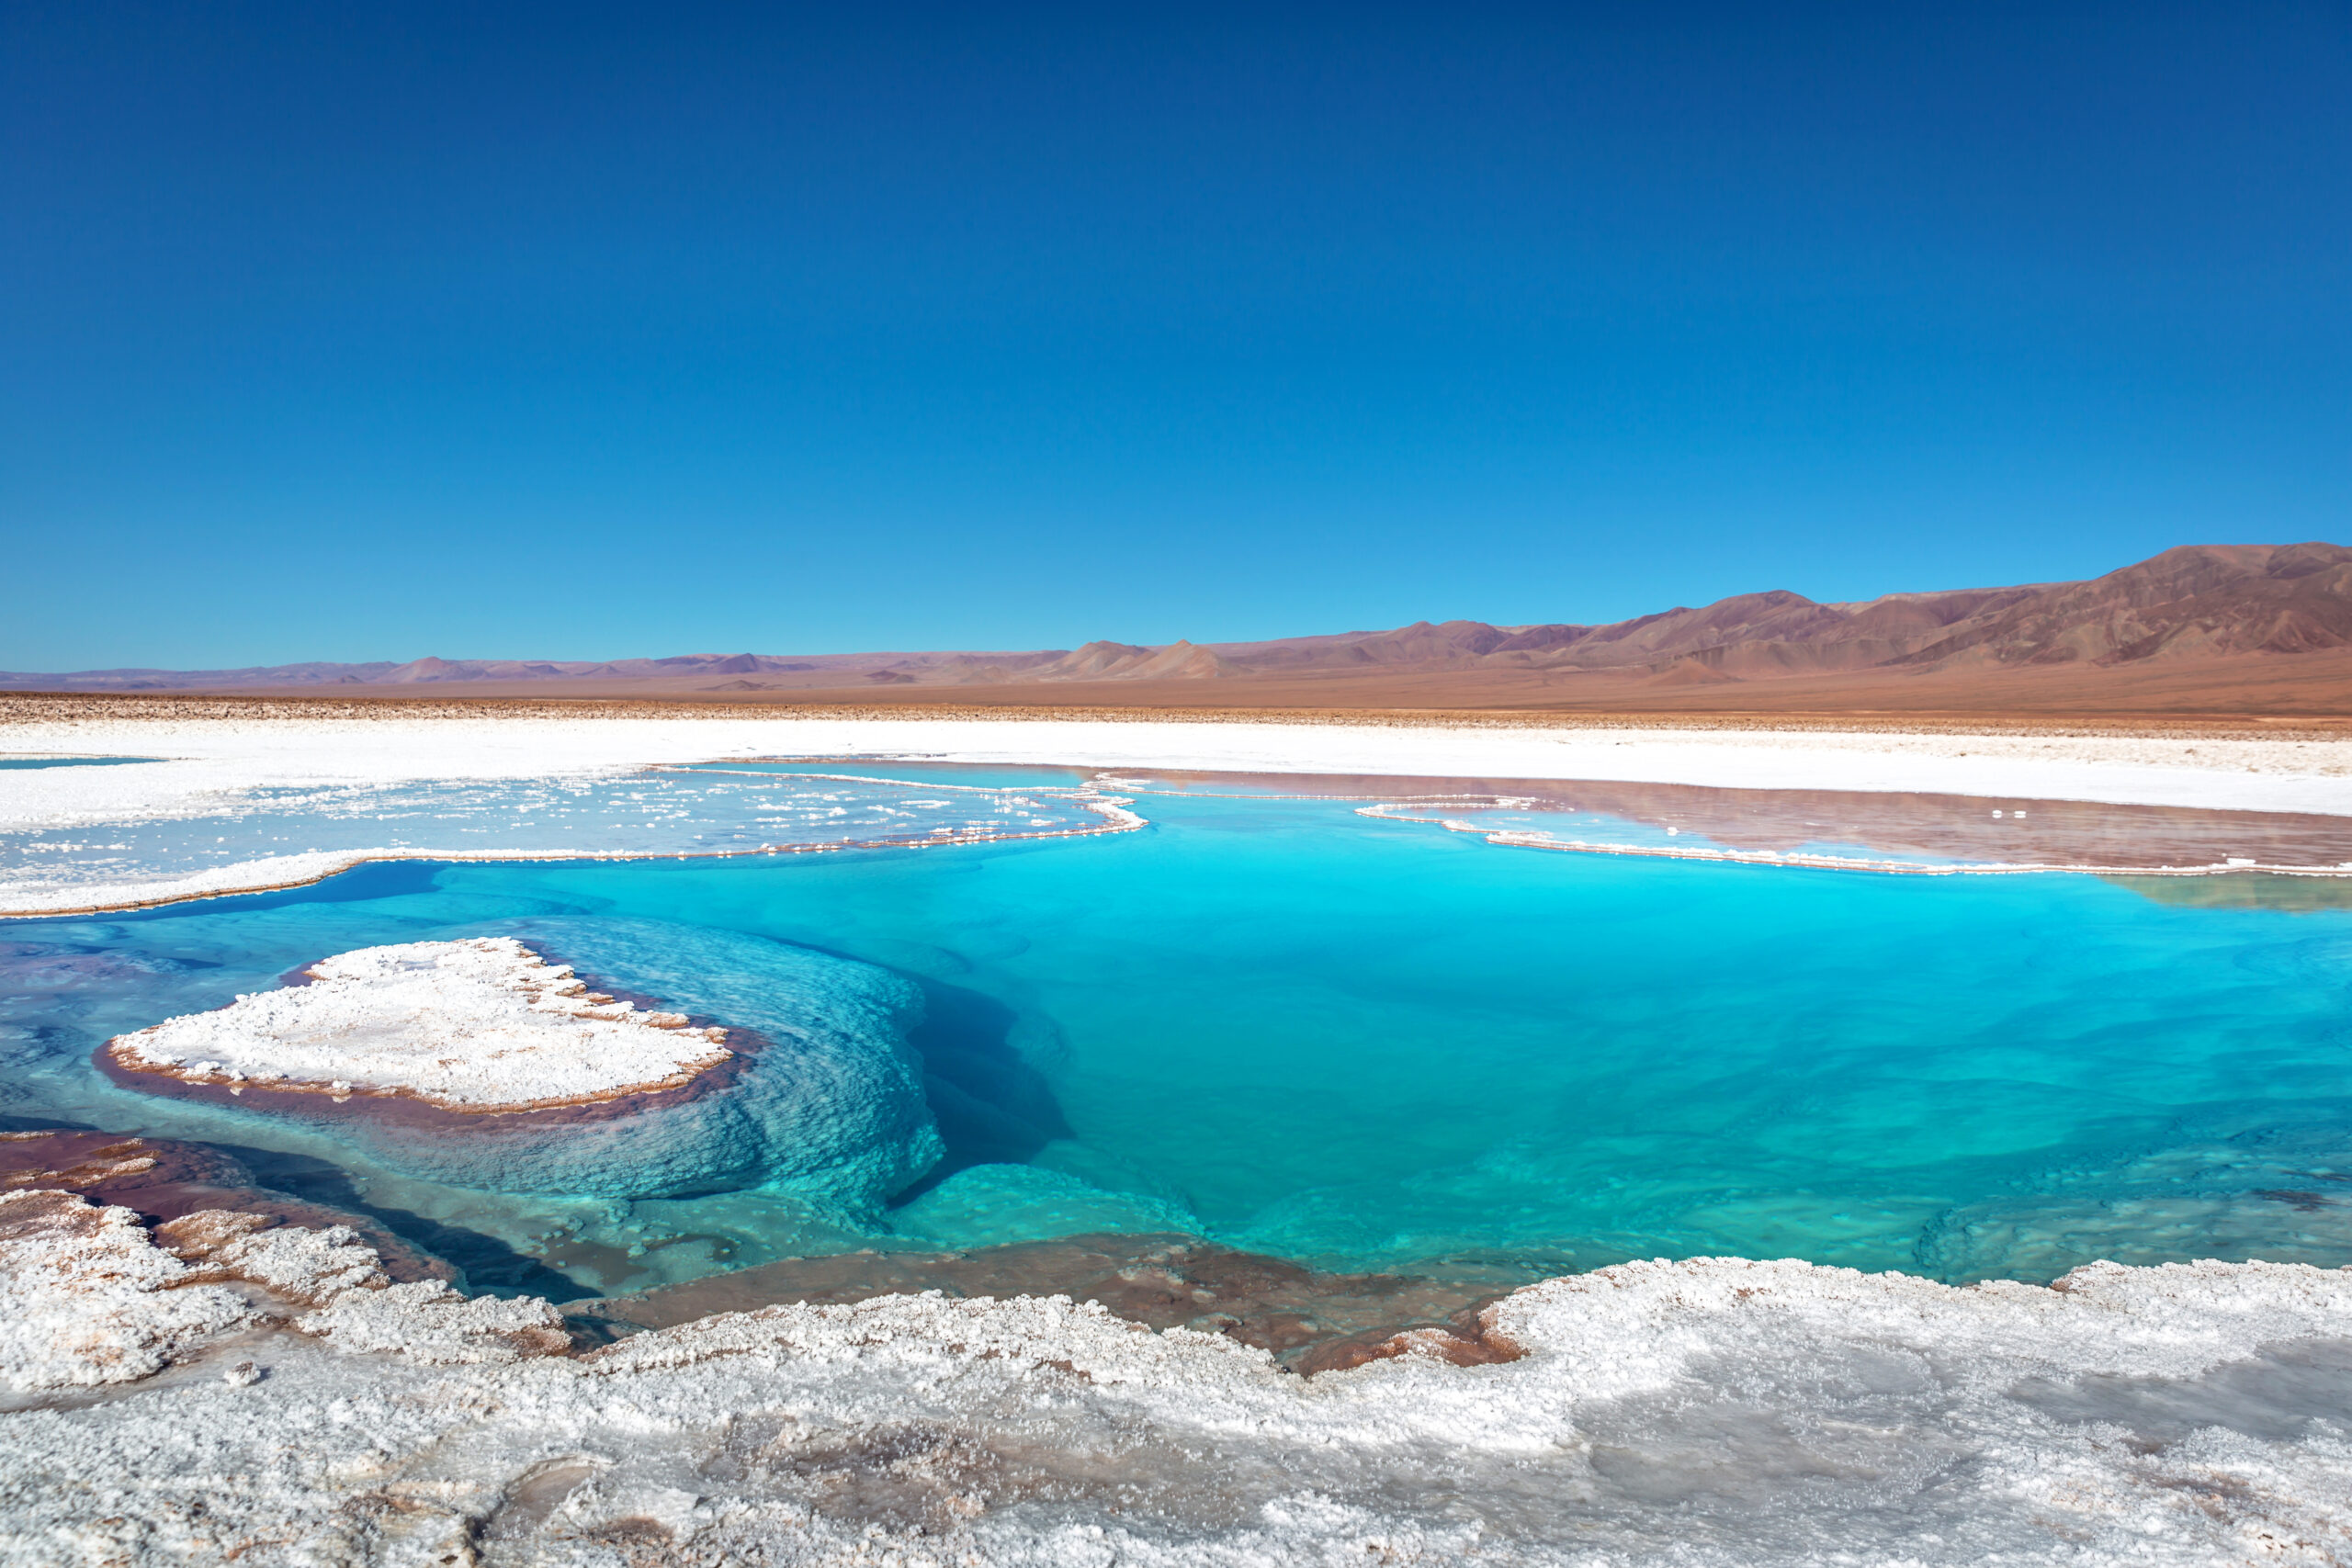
[2312, 685]
[42, 707]
[2209, 635]
[180, 706]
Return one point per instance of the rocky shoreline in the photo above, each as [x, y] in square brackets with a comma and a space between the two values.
[217, 1389]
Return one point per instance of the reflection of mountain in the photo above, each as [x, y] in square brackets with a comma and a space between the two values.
[2205, 628]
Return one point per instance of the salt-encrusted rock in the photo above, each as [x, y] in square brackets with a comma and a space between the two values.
[1710, 1413]
[88, 1297]
[299, 1265]
[477, 1062]
[429, 1322]
[353, 1304]
[161, 1180]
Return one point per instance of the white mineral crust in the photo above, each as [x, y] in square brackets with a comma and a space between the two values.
[1688, 1415]
[88, 1298]
[479, 1025]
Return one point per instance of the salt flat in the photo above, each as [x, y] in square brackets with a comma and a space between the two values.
[208, 759]
[214, 764]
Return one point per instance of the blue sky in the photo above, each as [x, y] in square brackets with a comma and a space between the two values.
[581, 331]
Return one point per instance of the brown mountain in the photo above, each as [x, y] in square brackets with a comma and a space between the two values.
[2197, 601]
[2204, 629]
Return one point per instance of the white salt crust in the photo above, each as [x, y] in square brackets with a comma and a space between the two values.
[479, 1025]
[214, 763]
[1706, 1412]
[87, 1298]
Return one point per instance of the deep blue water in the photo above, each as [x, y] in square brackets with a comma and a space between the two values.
[1361, 1043]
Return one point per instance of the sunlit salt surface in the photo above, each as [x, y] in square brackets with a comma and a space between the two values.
[1293, 1028]
[266, 1395]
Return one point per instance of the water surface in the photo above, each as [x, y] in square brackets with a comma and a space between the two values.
[1291, 1028]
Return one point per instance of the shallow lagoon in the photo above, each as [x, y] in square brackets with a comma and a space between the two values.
[1375, 1044]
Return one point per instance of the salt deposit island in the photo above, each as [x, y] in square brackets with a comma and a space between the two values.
[479, 1063]
[483, 1025]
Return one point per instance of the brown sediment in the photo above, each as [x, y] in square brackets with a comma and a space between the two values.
[164, 1179]
[729, 1056]
[1469, 1339]
[1310, 1321]
[2242, 890]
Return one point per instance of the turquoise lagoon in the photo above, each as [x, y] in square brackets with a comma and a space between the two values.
[1364, 1044]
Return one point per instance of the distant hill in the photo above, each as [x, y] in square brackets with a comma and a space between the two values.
[2204, 627]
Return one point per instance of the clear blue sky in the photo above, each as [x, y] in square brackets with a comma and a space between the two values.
[355, 332]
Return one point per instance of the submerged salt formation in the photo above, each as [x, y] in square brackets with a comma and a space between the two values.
[479, 1063]
[1712, 1410]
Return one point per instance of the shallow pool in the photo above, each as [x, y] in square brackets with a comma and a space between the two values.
[1296, 1029]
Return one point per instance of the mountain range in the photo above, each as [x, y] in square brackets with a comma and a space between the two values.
[2204, 628]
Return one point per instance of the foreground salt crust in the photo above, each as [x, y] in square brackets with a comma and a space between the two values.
[90, 1300]
[480, 1024]
[1709, 1411]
